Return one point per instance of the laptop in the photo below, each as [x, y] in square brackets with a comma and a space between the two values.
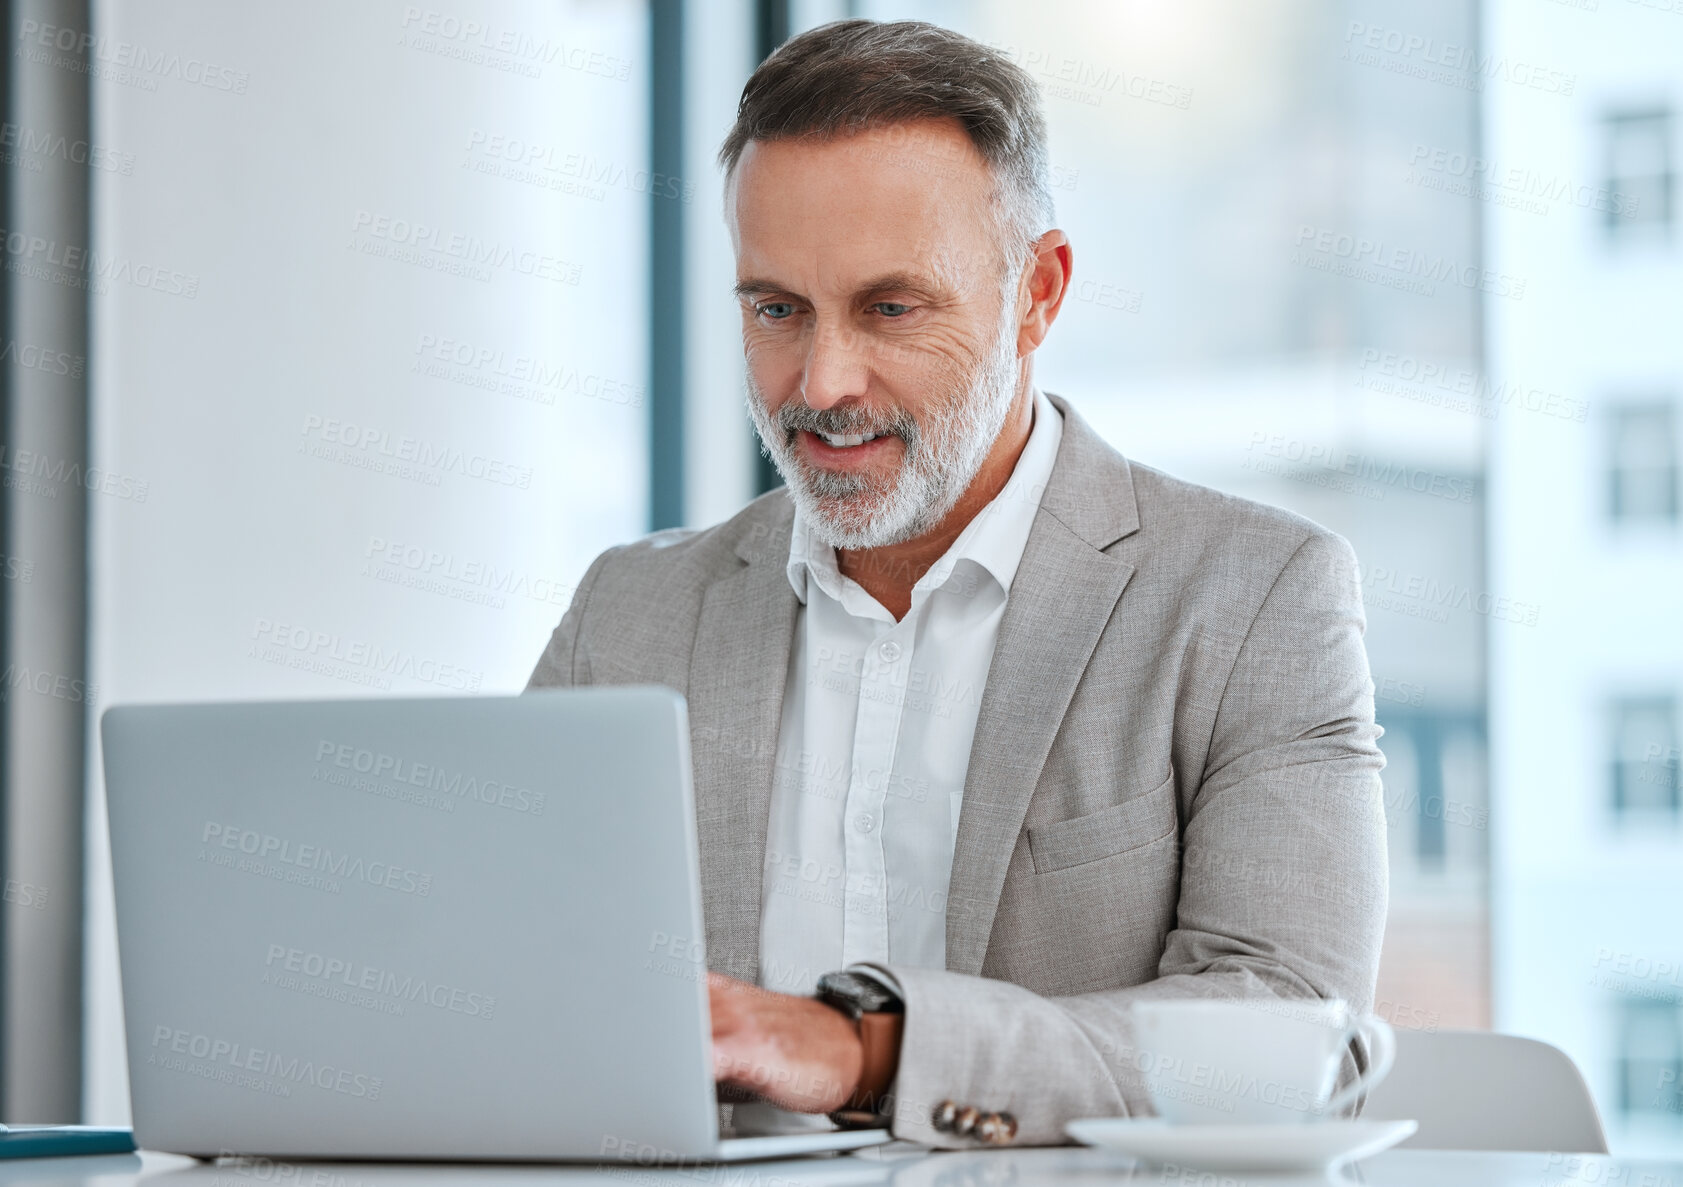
[417, 929]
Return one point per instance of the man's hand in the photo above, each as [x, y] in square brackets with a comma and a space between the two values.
[795, 1052]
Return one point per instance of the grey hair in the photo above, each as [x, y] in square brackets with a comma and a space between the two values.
[850, 76]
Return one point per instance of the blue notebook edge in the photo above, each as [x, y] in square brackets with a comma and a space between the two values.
[63, 1141]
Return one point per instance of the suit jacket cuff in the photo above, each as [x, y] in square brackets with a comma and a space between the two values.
[996, 1046]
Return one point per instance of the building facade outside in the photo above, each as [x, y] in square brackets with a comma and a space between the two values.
[1578, 179]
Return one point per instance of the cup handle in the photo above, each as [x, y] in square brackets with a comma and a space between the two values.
[1382, 1049]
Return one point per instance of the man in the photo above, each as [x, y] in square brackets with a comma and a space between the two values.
[1017, 731]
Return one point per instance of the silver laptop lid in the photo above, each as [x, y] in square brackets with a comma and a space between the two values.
[421, 928]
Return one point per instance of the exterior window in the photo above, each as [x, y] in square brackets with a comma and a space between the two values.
[1642, 466]
[1645, 755]
[1430, 802]
[1640, 174]
[1650, 1057]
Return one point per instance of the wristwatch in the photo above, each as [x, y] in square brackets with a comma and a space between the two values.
[880, 1016]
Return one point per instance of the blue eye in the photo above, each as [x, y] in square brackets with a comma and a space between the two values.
[776, 310]
[892, 308]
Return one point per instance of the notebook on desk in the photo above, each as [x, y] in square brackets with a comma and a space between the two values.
[62, 1141]
[417, 929]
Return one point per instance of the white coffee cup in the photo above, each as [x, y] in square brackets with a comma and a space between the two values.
[1209, 1062]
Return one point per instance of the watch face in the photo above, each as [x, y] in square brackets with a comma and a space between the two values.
[861, 995]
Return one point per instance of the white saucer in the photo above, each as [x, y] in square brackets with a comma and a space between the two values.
[1285, 1148]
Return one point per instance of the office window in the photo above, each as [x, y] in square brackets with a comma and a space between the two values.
[1642, 463]
[1434, 785]
[1645, 755]
[408, 399]
[1650, 1056]
[1640, 177]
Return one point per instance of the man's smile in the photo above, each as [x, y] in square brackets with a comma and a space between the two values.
[842, 440]
[844, 451]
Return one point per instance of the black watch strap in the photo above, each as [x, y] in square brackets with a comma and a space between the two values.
[879, 1014]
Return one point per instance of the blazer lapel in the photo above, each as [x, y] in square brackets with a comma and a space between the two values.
[737, 672]
[1065, 591]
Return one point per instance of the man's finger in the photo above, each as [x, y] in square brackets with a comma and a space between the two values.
[739, 1070]
[723, 1009]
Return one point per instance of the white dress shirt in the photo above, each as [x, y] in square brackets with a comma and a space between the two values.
[878, 719]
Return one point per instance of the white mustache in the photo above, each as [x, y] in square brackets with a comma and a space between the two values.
[795, 417]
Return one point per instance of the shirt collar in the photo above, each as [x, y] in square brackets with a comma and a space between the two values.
[994, 540]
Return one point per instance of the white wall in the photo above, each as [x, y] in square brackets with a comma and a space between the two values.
[280, 156]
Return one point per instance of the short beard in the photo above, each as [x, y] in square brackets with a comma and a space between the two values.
[942, 454]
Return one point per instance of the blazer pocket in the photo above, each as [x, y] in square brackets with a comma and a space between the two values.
[1129, 825]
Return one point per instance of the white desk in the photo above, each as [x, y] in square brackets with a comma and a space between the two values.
[895, 1166]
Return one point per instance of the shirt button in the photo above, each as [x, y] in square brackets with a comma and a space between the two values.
[865, 822]
[890, 651]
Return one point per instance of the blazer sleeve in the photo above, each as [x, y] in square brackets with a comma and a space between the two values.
[558, 666]
[1282, 894]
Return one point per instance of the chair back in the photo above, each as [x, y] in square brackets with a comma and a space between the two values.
[1477, 1090]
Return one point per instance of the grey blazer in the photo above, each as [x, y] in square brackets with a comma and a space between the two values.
[1173, 790]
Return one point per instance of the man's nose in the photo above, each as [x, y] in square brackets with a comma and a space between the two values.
[836, 368]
